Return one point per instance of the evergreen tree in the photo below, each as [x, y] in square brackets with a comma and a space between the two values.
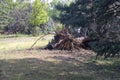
[104, 13]
[107, 17]
[106, 10]
[77, 14]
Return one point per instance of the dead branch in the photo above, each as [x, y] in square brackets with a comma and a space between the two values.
[37, 41]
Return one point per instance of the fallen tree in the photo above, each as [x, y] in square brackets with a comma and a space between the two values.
[63, 40]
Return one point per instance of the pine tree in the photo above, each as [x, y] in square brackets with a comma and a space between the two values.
[76, 14]
[108, 19]
[106, 10]
[104, 13]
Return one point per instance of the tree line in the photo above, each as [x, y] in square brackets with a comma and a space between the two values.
[25, 18]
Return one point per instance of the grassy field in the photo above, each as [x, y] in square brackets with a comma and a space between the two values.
[8, 43]
[17, 63]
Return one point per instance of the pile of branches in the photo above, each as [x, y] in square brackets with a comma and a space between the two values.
[63, 40]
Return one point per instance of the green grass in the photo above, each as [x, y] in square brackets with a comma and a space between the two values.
[23, 42]
[16, 63]
[14, 35]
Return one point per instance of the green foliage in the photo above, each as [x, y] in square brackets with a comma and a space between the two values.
[109, 35]
[108, 29]
[39, 15]
[76, 14]
[5, 7]
[106, 9]
[20, 22]
[58, 26]
[47, 27]
[97, 19]
[106, 48]
[52, 11]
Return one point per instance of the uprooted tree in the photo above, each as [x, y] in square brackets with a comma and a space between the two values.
[63, 40]
[97, 19]
[96, 24]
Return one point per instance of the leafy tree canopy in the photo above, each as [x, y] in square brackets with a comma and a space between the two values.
[39, 15]
[5, 7]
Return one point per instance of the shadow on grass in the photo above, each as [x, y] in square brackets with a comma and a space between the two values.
[65, 69]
